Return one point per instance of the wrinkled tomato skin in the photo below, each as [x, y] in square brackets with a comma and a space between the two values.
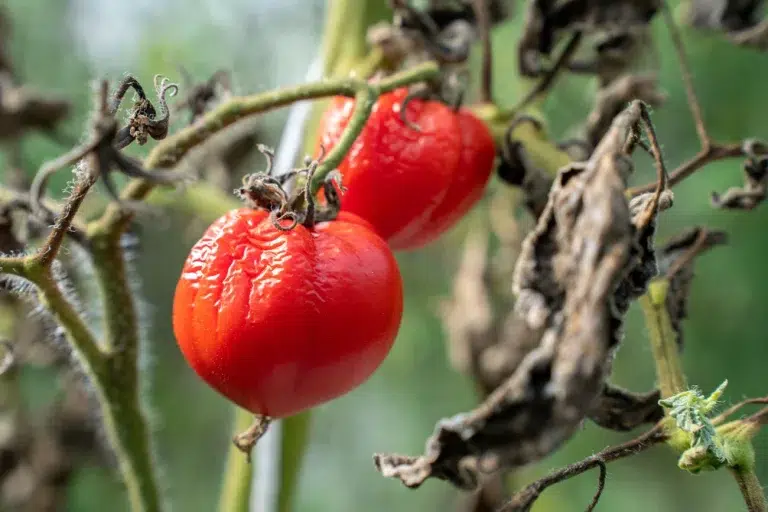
[281, 321]
[474, 169]
[395, 176]
[412, 186]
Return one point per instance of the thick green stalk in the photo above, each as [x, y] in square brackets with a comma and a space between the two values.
[114, 381]
[128, 432]
[663, 340]
[236, 489]
[751, 489]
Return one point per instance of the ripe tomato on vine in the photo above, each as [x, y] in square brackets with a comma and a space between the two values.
[282, 317]
[411, 174]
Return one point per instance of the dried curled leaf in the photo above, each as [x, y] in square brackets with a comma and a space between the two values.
[753, 192]
[725, 15]
[566, 279]
[621, 410]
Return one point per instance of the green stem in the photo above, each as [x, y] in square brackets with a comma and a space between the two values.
[663, 339]
[127, 424]
[128, 432]
[751, 489]
[86, 348]
[120, 319]
[236, 489]
[115, 382]
[167, 153]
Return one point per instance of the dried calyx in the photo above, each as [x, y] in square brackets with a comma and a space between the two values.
[587, 258]
[286, 211]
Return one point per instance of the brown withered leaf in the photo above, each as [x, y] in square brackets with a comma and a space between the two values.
[569, 271]
[676, 260]
[741, 21]
[548, 20]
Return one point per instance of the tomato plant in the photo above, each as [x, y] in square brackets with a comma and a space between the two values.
[412, 175]
[282, 320]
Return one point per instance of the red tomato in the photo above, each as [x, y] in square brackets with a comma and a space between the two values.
[280, 321]
[411, 185]
[469, 181]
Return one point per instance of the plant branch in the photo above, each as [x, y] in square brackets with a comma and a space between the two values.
[734, 408]
[685, 70]
[751, 489]
[706, 156]
[663, 339]
[484, 28]
[168, 152]
[548, 80]
[50, 248]
[523, 500]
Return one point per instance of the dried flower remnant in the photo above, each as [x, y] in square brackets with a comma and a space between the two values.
[201, 96]
[143, 121]
[102, 151]
[568, 273]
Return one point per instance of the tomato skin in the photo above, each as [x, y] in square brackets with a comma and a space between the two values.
[281, 321]
[395, 176]
[411, 185]
[472, 174]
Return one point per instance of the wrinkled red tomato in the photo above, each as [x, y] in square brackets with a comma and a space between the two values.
[280, 321]
[411, 185]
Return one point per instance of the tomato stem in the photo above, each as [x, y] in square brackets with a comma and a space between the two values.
[168, 152]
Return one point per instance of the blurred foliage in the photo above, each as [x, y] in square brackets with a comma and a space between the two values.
[61, 45]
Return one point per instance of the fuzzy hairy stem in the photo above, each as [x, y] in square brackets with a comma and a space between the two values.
[663, 340]
[115, 380]
[171, 150]
[129, 434]
[83, 342]
[236, 489]
[751, 489]
[123, 410]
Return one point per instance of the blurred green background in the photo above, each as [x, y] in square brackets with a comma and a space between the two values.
[60, 45]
